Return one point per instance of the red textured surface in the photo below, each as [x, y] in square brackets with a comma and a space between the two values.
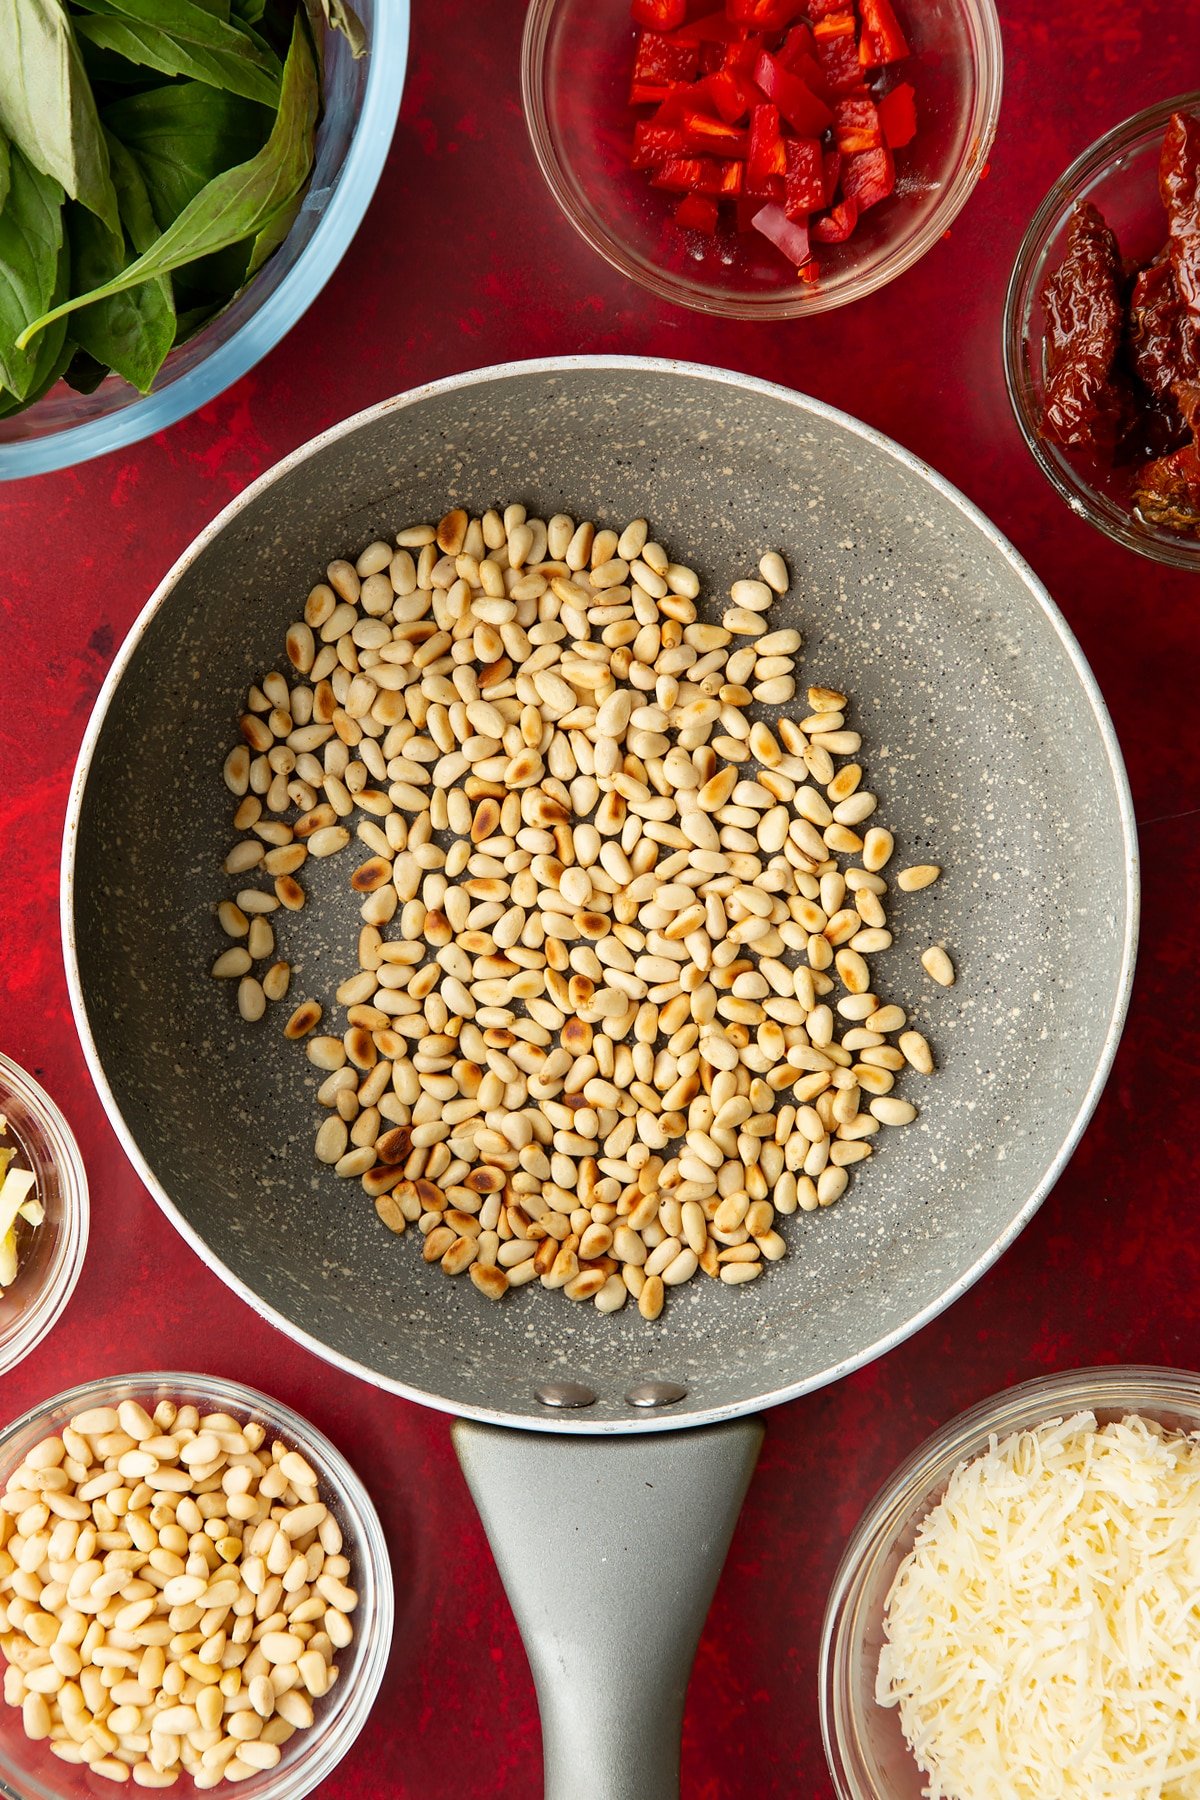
[463, 260]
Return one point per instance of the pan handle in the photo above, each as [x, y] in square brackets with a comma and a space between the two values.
[609, 1550]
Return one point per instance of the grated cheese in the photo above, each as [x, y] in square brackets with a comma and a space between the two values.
[1043, 1634]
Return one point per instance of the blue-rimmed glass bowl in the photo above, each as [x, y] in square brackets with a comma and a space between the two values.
[361, 100]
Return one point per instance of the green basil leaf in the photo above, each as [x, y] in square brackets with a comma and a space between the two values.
[130, 332]
[273, 233]
[53, 352]
[237, 204]
[58, 367]
[46, 103]
[31, 245]
[178, 37]
[340, 16]
[249, 11]
[183, 137]
[5, 170]
[133, 197]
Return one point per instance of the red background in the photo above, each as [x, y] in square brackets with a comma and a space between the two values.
[463, 260]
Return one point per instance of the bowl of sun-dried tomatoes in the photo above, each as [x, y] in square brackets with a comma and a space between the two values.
[1102, 333]
[761, 158]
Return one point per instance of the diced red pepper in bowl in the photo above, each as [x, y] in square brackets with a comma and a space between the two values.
[804, 183]
[699, 175]
[696, 212]
[770, 115]
[868, 177]
[767, 155]
[856, 125]
[898, 116]
[835, 226]
[882, 40]
[659, 15]
[803, 110]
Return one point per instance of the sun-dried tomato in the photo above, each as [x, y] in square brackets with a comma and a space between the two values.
[1084, 315]
[1167, 491]
[1179, 185]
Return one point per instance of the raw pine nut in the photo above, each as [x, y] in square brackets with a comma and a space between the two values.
[613, 1018]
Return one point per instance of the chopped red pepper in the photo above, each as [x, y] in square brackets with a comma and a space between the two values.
[898, 116]
[836, 225]
[837, 54]
[659, 15]
[856, 125]
[804, 184]
[699, 175]
[767, 155]
[679, 99]
[714, 26]
[712, 137]
[773, 106]
[742, 56]
[882, 40]
[798, 43]
[788, 235]
[806, 115]
[658, 59]
[868, 177]
[732, 95]
[764, 15]
[697, 213]
[654, 143]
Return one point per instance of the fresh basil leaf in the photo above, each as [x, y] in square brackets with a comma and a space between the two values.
[178, 37]
[130, 332]
[83, 372]
[57, 368]
[192, 321]
[339, 16]
[31, 244]
[183, 137]
[52, 353]
[249, 11]
[133, 197]
[273, 233]
[47, 107]
[5, 170]
[237, 204]
[343, 18]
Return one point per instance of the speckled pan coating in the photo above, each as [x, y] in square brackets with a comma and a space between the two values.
[984, 735]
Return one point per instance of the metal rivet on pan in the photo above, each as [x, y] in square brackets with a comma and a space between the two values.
[656, 1393]
[564, 1393]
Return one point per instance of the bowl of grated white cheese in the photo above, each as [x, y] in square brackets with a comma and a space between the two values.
[1017, 1614]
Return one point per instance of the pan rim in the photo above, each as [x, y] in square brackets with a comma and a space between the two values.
[464, 381]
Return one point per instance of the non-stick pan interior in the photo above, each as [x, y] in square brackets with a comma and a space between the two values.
[983, 736]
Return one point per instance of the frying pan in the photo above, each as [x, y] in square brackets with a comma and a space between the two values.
[988, 742]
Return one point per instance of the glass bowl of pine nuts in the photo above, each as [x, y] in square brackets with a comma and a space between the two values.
[219, 1604]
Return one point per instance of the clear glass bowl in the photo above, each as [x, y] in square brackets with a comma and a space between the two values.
[1119, 175]
[868, 1757]
[361, 101]
[28, 1770]
[575, 65]
[50, 1254]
